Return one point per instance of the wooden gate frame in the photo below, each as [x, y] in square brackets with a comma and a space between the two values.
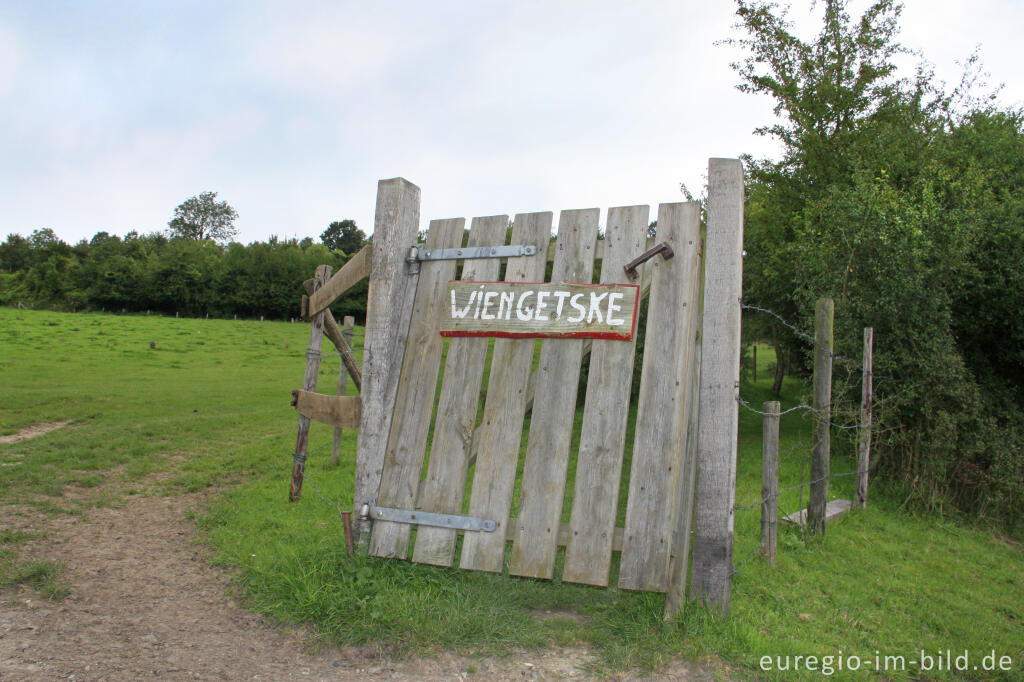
[706, 464]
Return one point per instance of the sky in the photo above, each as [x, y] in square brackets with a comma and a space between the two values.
[113, 113]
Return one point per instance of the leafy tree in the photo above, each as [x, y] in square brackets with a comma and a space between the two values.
[203, 217]
[901, 202]
[343, 236]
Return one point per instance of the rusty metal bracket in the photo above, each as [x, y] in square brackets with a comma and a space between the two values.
[663, 248]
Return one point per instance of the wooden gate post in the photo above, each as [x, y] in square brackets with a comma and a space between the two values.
[388, 311]
[864, 446]
[770, 480]
[719, 387]
[347, 330]
[316, 337]
[820, 459]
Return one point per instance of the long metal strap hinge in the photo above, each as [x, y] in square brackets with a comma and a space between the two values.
[422, 518]
[419, 253]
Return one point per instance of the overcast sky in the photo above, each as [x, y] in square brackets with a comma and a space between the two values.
[112, 113]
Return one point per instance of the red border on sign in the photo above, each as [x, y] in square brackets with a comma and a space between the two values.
[614, 336]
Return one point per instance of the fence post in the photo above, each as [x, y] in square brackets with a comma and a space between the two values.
[388, 311]
[755, 362]
[864, 446]
[770, 480]
[347, 331]
[712, 569]
[820, 462]
[316, 337]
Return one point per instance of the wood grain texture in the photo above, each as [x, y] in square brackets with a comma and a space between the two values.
[501, 430]
[334, 410]
[662, 408]
[533, 310]
[444, 487]
[770, 480]
[603, 436]
[316, 336]
[341, 342]
[864, 439]
[415, 400]
[356, 269]
[678, 565]
[388, 309]
[554, 403]
[821, 456]
[719, 386]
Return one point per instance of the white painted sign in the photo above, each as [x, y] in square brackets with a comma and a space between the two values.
[525, 310]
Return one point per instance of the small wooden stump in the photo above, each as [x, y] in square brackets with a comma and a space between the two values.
[833, 510]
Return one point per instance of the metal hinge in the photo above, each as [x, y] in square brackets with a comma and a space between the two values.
[419, 253]
[422, 518]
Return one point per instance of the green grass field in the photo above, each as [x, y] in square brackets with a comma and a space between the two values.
[163, 406]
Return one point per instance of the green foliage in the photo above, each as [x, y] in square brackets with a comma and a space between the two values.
[172, 276]
[903, 203]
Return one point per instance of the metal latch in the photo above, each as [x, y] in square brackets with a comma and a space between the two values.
[454, 521]
[663, 248]
[419, 253]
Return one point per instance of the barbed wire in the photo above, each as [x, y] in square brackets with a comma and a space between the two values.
[802, 334]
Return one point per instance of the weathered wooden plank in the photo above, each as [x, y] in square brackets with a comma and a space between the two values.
[501, 431]
[679, 564]
[340, 411]
[347, 331]
[414, 404]
[340, 341]
[531, 310]
[547, 450]
[356, 269]
[603, 438]
[662, 408]
[316, 336]
[719, 387]
[444, 487]
[388, 309]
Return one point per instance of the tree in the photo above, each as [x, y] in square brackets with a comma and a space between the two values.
[203, 217]
[901, 202]
[343, 236]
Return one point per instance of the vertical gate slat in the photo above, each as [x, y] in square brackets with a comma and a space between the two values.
[444, 486]
[662, 408]
[554, 402]
[501, 431]
[599, 463]
[414, 403]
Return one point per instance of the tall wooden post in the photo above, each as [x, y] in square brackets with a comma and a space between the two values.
[347, 331]
[866, 397]
[820, 459]
[711, 580]
[316, 337]
[388, 311]
[770, 480]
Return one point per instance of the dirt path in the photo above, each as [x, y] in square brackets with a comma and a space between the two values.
[144, 604]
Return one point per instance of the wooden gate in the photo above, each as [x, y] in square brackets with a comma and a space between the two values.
[472, 450]
[487, 450]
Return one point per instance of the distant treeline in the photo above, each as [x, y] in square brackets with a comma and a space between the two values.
[154, 273]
